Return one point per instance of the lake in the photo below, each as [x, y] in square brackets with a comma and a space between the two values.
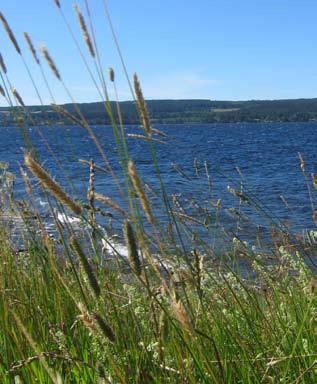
[266, 155]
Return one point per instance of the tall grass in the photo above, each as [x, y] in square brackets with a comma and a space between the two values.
[75, 309]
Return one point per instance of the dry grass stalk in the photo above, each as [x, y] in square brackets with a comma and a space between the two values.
[87, 319]
[142, 108]
[140, 192]
[236, 193]
[107, 201]
[67, 114]
[50, 61]
[2, 64]
[145, 138]
[87, 267]
[17, 97]
[111, 74]
[105, 328]
[181, 314]
[2, 91]
[158, 132]
[133, 254]
[49, 184]
[84, 30]
[10, 33]
[17, 365]
[185, 217]
[31, 47]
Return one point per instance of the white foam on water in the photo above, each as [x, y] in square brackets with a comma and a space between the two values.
[114, 248]
[65, 219]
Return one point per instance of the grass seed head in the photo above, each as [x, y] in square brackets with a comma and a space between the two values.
[10, 33]
[2, 91]
[94, 285]
[131, 244]
[140, 192]
[107, 201]
[49, 184]
[17, 97]
[105, 328]
[50, 61]
[111, 74]
[142, 108]
[2, 64]
[31, 47]
[84, 30]
[181, 315]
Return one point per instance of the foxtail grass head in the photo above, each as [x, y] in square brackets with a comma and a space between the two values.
[17, 97]
[2, 64]
[132, 172]
[84, 30]
[2, 91]
[50, 61]
[111, 74]
[31, 47]
[49, 184]
[10, 33]
[131, 244]
[142, 108]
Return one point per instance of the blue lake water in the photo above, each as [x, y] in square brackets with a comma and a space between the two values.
[265, 153]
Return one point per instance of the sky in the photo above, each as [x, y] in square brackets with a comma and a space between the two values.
[208, 49]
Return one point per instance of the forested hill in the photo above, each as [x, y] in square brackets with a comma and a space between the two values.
[179, 111]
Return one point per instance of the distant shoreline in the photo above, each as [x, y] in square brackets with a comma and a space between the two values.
[174, 112]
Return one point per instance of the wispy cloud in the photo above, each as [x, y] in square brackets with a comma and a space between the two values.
[181, 85]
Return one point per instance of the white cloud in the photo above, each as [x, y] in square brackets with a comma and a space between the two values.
[181, 85]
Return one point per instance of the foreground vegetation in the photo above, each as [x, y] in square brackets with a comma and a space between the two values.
[77, 305]
[69, 317]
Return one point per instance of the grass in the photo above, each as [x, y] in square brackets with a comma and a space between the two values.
[74, 310]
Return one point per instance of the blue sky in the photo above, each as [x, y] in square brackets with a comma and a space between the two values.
[215, 49]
